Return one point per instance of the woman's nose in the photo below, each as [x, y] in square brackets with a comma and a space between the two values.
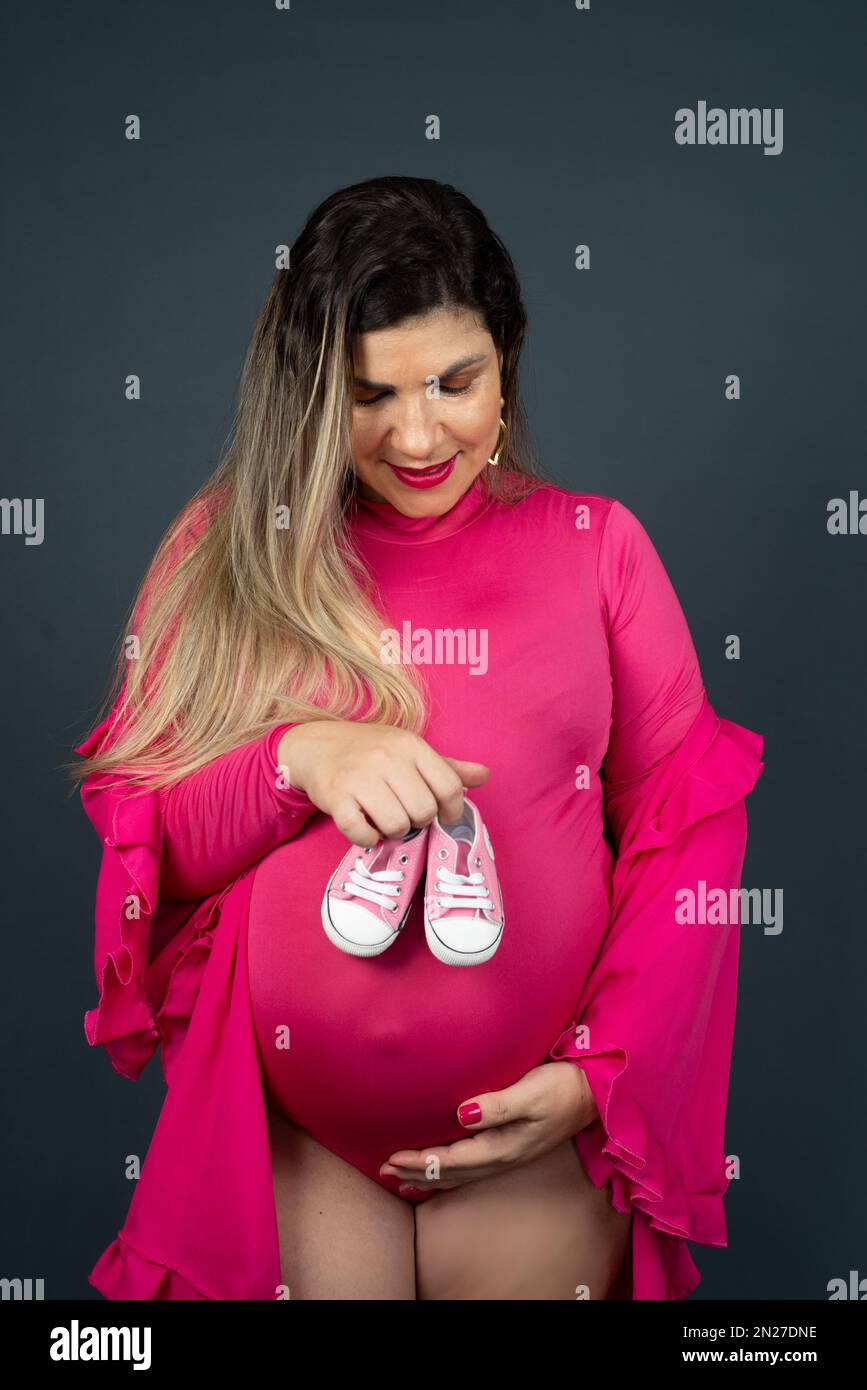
[415, 433]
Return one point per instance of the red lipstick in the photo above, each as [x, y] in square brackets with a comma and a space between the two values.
[424, 477]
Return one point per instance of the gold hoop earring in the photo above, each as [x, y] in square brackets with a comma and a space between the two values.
[504, 429]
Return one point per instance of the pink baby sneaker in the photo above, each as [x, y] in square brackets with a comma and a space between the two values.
[463, 904]
[370, 893]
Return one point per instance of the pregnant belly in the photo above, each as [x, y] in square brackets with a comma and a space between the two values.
[374, 1055]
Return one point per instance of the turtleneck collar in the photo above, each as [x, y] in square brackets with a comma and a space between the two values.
[384, 522]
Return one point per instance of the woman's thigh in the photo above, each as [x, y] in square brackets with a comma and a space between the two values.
[541, 1231]
[342, 1236]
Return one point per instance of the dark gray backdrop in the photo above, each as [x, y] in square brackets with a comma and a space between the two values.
[153, 257]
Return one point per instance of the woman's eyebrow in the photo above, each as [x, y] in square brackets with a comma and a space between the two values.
[449, 371]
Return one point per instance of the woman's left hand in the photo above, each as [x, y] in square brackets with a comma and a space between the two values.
[549, 1104]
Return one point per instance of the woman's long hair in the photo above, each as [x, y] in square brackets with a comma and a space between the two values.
[256, 609]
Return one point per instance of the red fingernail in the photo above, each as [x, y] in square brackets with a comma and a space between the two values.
[470, 1113]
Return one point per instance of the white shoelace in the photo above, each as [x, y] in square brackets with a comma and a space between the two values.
[464, 890]
[362, 880]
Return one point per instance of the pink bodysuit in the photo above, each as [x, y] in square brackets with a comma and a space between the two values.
[555, 652]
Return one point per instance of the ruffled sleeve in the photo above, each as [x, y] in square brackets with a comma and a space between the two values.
[167, 858]
[654, 1026]
[145, 954]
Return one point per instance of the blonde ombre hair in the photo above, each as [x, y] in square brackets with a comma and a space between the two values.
[256, 610]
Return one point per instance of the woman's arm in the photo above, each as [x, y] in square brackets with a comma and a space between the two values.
[226, 816]
[656, 683]
[653, 1028]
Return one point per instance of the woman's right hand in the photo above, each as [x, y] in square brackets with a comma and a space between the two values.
[374, 780]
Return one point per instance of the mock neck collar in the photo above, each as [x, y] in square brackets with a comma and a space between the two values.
[384, 522]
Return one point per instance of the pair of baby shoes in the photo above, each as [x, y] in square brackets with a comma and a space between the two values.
[368, 898]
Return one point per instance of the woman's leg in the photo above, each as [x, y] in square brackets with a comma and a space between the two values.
[541, 1231]
[342, 1236]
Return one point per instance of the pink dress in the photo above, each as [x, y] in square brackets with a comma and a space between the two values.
[555, 652]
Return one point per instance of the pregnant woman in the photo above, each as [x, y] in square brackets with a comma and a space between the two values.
[378, 623]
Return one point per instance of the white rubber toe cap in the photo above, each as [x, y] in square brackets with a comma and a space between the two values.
[357, 925]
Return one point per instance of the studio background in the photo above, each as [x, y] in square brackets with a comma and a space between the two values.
[151, 257]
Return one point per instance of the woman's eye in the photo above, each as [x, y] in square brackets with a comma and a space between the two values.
[445, 390]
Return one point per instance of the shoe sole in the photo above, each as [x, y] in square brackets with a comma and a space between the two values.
[355, 948]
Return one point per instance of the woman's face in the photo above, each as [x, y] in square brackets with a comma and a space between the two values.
[426, 392]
